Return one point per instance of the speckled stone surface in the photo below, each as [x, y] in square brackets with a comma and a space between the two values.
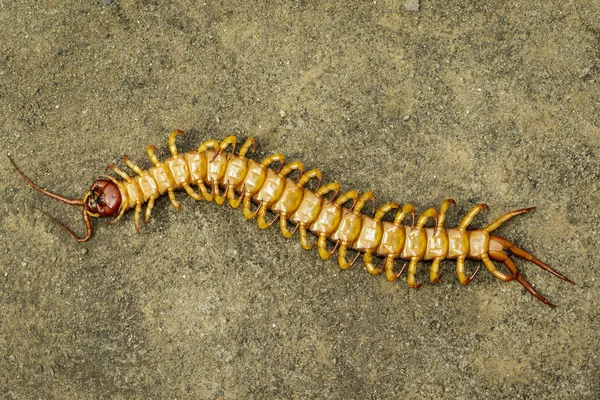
[495, 103]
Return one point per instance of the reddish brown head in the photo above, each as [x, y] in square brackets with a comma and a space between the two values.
[103, 200]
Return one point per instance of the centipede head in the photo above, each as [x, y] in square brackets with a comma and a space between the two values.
[102, 200]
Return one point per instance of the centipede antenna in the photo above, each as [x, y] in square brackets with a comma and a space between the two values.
[72, 202]
[88, 225]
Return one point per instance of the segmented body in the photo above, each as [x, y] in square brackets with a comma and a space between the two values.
[222, 175]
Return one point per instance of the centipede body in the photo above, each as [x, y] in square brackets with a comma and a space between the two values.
[216, 173]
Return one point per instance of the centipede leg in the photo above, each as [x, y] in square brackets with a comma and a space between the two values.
[492, 268]
[412, 270]
[303, 239]
[150, 150]
[149, 208]
[233, 201]
[176, 203]
[442, 214]
[430, 213]
[283, 226]
[209, 144]
[389, 268]
[247, 207]
[342, 252]
[120, 172]
[496, 224]
[434, 275]
[172, 138]
[368, 261]
[250, 142]
[294, 166]
[207, 196]
[136, 216]
[271, 159]
[465, 280]
[219, 200]
[322, 246]
[313, 173]
[513, 268]
[228, 141]
[132, 166]
[470, 215]
[193, 194]
[529, 257]
[261, 219]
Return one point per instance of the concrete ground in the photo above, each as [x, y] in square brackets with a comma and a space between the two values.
[494, 102]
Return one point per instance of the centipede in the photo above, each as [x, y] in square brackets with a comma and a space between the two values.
[265, 191]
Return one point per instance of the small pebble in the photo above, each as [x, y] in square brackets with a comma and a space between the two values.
[411, 5]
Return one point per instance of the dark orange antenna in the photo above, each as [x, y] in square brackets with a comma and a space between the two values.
[72, 202]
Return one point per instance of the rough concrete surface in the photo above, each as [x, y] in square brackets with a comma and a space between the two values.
[494, 102]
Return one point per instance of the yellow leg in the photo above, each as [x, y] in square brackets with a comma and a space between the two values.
[384, 209]
[283, 226]
[271, 159]
[430, 213]
[342, 252]
[442, 215]
[313, 173]
[250, 142]
[363, 199]
[188, 189]
[172, 199]
[233, 201]
[492, 268]
[246, 205]
[217, 195]
[136, 216]
[351, 195]
[149, 208]
[496, 224]
[303, 239]
[434, 276]
[132, 166]
[207, 196]
[460, 270]
[209, 144]
[172, 137]
[295, 166]
[262, 214]
[412, 270]
[330, 187]
[228, 141]
[389, 268]
[120, 172]
[150, 150]
[470, 215]
[368, 260]
[407, 209]
[322, 246]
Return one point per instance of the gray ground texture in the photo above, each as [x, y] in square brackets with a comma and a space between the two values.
[493, 102]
